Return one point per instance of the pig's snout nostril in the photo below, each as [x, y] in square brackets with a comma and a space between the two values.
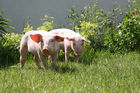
[45, 50]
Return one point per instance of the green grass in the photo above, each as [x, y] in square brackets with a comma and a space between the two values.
[107, 73]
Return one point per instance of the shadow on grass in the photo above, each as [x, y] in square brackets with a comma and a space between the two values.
[65, 69]
[8, 59]
[88, 56]
[86, 60]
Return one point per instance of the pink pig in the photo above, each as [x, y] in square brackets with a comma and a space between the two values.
[40, 44]
[73, 41]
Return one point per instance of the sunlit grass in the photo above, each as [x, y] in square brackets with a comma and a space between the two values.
[107, 73]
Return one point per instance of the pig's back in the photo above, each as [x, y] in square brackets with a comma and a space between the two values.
[32, 46]
[65, 32]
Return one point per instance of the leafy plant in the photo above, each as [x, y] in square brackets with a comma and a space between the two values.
[28, 27]
[95, 19]
[47, 23]
[116, 31]
[3, 24]
[9, 49]
[7, 52]
[12, 40]
[126, 34]
[8, 56]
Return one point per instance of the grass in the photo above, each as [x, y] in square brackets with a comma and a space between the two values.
[107, 73]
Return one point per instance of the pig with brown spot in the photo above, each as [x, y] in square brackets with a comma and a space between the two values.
[40, 44]
[73, 42]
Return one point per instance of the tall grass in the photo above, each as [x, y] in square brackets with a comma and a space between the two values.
[8, 56]
[107, 73]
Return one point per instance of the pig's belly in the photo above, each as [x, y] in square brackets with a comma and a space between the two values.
[34, 50]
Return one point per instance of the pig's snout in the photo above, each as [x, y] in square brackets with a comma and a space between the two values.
[44, 50]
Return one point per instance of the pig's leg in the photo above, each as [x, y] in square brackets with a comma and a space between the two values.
[36, 59]
[23, 53]
[43, 59]
[79, 58]
[66, 54]
[67, 48]
[53, 59]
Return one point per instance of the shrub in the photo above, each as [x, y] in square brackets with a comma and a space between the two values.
[116, 31]
[97, 21]
[13, 40]
[9, 48]
[88, 55]
[28, 27]
[126, 35]
[3, 24]
[47, 23]
[8, 55]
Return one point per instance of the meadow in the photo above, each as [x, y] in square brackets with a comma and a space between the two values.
[110, 64]
[106, 73]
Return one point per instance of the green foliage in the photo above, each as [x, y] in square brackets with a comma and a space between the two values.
[116, 31]
[3, 23]
[13, 40]
[8, 56]
[95, 19]
[9, 49]
[88, 55]
[47, 23]
[28, 27]
[126, 36]
[88, 29]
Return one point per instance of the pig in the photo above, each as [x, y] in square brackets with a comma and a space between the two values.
[73, 42]
[40, 44]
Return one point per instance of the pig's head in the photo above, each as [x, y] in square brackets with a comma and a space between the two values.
[77, 44]
[50, 42]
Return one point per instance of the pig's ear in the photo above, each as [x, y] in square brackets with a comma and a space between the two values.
[86, 40]
[59, 38]
[70, 39]
[36, 38]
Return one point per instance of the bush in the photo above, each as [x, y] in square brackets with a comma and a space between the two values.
[9, 47]
[3, 24]
[12, 40]
[95, 19]
[47, 24]
[126, 34]
[116, 31]
[8, 55]
[88, 55]
[28, 27]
